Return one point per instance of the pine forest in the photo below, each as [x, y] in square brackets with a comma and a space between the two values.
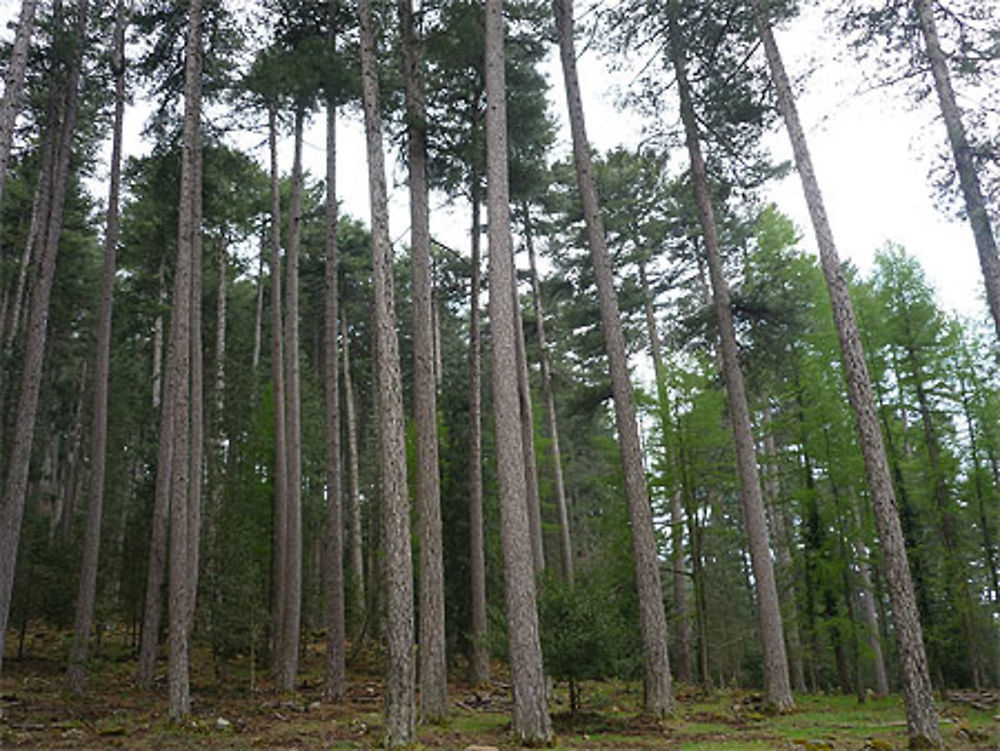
[351, 396]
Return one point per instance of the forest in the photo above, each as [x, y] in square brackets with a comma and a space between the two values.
[626, 465]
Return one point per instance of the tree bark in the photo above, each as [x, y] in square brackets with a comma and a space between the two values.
[559, 489]
[776, 684]
[432, 668]
[400, 706]
[280, 478]
[354, 490]
[87, 592]
[292, 610]
[16, 484]
[479, 662]
[13, 88]
[921, 714]
[335, 684]
[158, 340]
[530, 724]
[658, 699]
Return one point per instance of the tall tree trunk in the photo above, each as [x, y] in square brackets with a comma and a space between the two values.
[783, 554]
[527, 434]
[866, 598]
[682, 623]
[183, 347]
[355, 537]
[531, 723]
[921, 714]
[968, 178]
[658, 698]
[559, 489]
[280, 479]
[16, 483]
[158, 339]
[479, 662]
[776, 684]
[433, 670]
[39, 210]
[335, 684]
[87, 592]
[258, 317]
[400, 700]
[13, 89]
[288, 658]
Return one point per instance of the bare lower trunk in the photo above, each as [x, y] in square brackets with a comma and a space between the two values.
[776, 684]
[39, 210]
[530, 724]
[87, 592]
[921, 713]
[13, 89]
[559, 489]
[528, 436]
[335, 683]
[158, 341]
[479, 663]
[658, 698]
[355, 536]
[197, 379]
[288, 658]
[400, 688]
[16, 484]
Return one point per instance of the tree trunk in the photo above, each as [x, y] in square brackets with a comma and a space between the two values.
[776, 685]
[354, 491]
[39, 210]
[335, 684]
[158, 340]
[16, 484]
[13, 89]
[479, 662]
[531, 724]
[258, 317]
[288, 657]
[565, 545]
[658, 699]
[433, 670]
[400, 706]
[280, 478]
[87, 592]
[921, 714]
[527, 433]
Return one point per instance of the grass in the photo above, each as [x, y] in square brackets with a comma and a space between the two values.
[36, 713]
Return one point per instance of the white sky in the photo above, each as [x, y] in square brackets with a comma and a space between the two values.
[872, 151]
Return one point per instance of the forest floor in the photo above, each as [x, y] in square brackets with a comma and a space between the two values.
[36, 712]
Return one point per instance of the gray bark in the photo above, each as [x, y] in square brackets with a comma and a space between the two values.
[400, 705]
[258, 317]
[776, 684]
[432, 667]
[479, 662]
[559, 485]
[921, 714]
[16, 483]
[158, 341]
[531, 724]
[355, 536]
[13, 89]
[658, 699]
[87, 591]
[288, 658]
[335, 683]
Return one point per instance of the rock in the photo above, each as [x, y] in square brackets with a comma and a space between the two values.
[481, 748]
[222, 723]
[314, 706]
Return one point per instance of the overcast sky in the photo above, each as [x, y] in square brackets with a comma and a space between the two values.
[872, 150]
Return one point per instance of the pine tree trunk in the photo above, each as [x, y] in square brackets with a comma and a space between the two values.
[87, 592]
[280, 477]
[13, 89]
[921, 713]
[530, 724]
[335, 684]
[158, 340]
[776, 684]
[400, 688]
[258, 315]
[559, 489]
[658, 699]
[355, 536]
[527, 434]
[432, 668]
[479, 662]
[292, 610]
[16, 482]
[866, 598]
[39, 210]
